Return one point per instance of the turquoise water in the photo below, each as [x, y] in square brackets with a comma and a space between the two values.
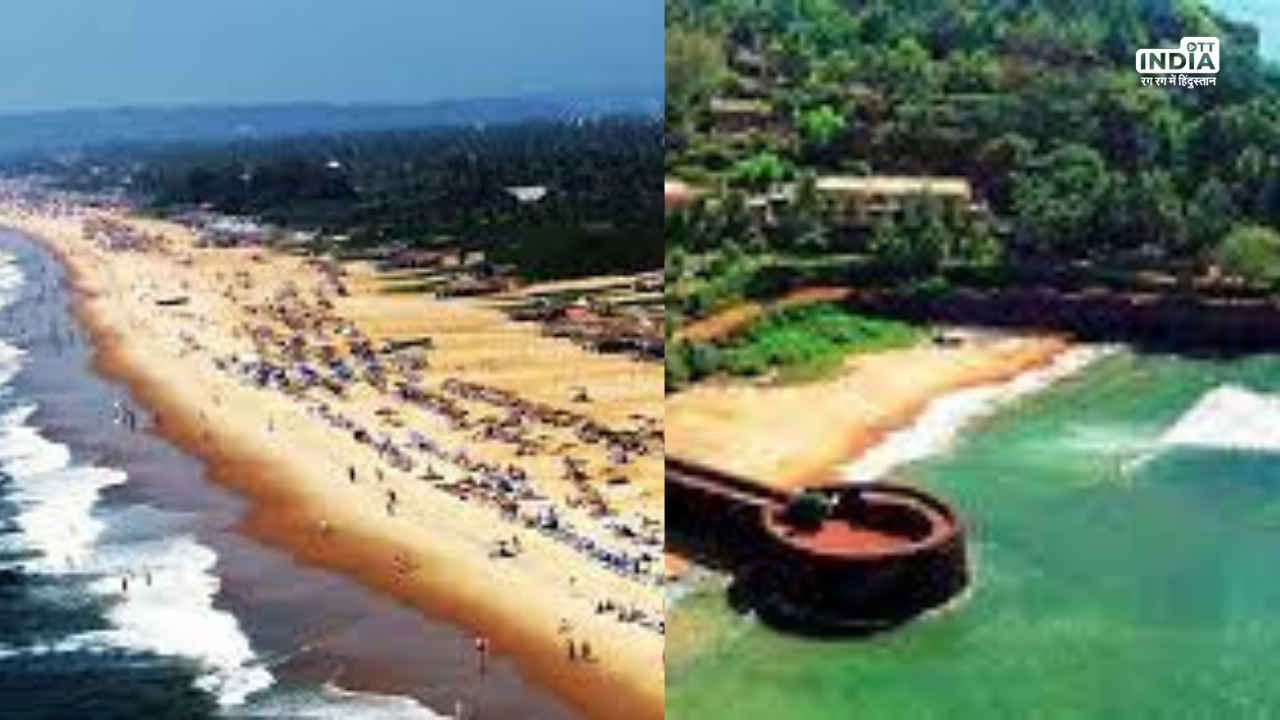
[1115, 577]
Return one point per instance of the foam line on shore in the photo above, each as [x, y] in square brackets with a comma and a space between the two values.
[160, 590]
[334, 703]
[158, 585]
[945, 418]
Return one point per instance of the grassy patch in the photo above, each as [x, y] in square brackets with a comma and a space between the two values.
[797, 343]
[724, 282]
[810, 340]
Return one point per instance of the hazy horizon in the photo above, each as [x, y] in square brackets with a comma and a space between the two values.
[65, 55]
[638, 96]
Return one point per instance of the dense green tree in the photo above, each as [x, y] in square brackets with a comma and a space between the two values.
[678, 372]
[820, 128]
[916, 244]
[762, 170]
[996, 162]
[1210, 213]
[1251, 253]
[695, 65]
[1144, 212]
[805, 220]
[1058, 200]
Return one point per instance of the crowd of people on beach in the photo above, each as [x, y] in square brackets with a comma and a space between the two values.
[492, 451]
[507, 489]
[116, 236]
[303, 350]
[296, 345]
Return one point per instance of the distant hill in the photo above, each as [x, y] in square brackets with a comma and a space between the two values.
[73, 129]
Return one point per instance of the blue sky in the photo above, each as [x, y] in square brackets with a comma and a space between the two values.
[78, 53]
[1263, 13]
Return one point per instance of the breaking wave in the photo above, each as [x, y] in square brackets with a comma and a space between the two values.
[157, 583]
[1229, 417]
[945, 418]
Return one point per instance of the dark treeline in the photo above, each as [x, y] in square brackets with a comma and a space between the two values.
[600, 211]
[1036, 102]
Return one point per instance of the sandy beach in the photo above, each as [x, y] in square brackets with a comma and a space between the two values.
[442, 481]
[790, 435]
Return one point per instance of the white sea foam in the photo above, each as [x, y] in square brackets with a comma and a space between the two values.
[1229, 417]
[11, 280]
[332, 703]
[168, 608]
[945, 418]
[59, 517]
[60, 520]
[10, 362]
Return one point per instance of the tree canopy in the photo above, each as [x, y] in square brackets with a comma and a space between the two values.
[1036, 102]
[599, 212]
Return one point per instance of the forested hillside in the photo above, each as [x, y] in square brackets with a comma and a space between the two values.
[1035, 102]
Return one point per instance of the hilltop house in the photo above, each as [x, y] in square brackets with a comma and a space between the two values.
[861, 201]
[741, 116]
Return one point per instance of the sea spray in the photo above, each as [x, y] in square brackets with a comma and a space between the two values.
[1229, 417]
[944, 419]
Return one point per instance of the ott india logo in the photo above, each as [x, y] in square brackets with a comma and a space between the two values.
[1196, 56]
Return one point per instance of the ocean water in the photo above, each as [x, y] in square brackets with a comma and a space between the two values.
[111, 607]
[1125, 536]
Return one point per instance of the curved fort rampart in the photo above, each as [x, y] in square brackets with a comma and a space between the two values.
[876, 555]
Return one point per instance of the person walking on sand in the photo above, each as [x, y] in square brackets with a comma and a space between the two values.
[482, 654]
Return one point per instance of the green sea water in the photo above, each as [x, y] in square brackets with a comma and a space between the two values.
[1115, 576]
